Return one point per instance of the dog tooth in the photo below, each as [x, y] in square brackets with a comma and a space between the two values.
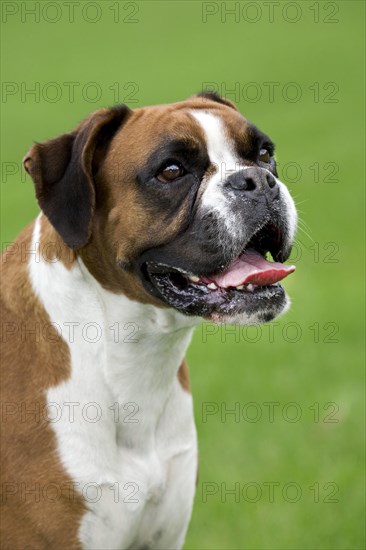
[194, 278]
[240, 287]
[212, 286]
[250, 287]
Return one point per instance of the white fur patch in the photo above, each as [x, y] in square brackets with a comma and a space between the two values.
[222, 155]
[125, 428]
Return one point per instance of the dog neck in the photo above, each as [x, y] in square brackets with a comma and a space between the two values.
[138, 347]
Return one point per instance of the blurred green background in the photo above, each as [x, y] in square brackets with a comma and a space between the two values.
[296, 69]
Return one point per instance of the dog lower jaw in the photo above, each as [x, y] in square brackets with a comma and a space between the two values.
[251, 304]
[243, 319]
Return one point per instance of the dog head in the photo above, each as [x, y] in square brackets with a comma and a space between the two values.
[175, 205]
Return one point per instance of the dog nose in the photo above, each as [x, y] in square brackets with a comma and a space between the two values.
[254, 181]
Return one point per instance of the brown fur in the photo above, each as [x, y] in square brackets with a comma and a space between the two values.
[31, 363]
[183, 376]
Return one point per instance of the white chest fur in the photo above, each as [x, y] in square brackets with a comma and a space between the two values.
[124, 425]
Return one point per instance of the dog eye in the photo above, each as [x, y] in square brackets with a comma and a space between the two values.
[171, 172]
[264, 155]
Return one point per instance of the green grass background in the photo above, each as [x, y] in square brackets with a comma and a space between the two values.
[169, 53]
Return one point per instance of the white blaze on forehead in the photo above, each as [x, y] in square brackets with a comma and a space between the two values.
[222, 155]
[220, 149]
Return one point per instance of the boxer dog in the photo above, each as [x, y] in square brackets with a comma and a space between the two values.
[151, 220]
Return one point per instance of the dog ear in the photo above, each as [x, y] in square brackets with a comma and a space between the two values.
[213, 96]
[62, 170]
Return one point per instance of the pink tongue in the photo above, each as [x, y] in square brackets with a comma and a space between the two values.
[251, 267]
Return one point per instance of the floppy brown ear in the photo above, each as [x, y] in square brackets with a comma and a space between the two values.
[62, 171]
[213, 96]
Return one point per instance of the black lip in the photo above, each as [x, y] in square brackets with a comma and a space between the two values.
[170, 284]
[197, 299]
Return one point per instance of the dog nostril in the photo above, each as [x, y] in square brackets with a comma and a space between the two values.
[271, 181]
[249, 184]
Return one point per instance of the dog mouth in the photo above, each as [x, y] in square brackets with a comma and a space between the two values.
[249, 284]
